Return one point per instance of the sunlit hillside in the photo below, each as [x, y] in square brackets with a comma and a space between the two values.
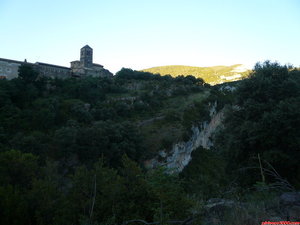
[211, 75]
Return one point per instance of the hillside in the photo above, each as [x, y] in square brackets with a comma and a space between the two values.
[212, 75]
[140, 148]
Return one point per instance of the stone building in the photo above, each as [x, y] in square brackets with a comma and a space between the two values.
[53, 71]
[9, 68]
[80, 68]
[85, 66]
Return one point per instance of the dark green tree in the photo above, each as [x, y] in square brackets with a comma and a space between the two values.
[27, 73]
[17, 173]
[265, 120]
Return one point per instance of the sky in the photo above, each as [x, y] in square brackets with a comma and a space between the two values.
[140, 34]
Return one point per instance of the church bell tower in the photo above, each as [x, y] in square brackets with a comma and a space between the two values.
[86, 56]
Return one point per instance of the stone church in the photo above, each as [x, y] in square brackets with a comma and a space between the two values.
[79, 68]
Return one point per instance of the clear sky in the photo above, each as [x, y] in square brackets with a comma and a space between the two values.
[139, 34]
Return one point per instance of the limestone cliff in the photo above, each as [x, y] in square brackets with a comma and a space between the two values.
[180, 154]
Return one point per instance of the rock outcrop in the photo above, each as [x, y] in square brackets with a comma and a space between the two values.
[180, 154]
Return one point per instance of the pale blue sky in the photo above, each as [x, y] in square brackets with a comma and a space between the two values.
[140, 34]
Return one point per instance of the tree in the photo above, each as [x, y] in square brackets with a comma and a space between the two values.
[27, 73]
[17, 172]
[137, 200]
[17, 168]
[265, 120]
[171, 201]
[95, 194]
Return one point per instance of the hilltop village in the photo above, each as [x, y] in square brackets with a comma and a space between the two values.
[79, 68]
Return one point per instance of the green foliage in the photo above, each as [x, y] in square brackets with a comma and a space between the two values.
[47, 195]
[27, 73]
[265, 120]
[81, 143]
[168, 190]
[65, 130]
[125, 73]
[205, 175]
[61, 118]
[17, 168]
[17, 173]
[14, 207]
[136, 192]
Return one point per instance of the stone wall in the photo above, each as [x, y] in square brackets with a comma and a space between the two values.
[52, 71]
[9, 68]
[98, 71]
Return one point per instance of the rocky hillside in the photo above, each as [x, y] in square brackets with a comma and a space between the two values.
[140, 148]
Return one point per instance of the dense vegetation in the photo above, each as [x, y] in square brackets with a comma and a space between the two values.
[72, 151]
[211, 75]
[264, 121]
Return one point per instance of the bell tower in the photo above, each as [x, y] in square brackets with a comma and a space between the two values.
[86, 56]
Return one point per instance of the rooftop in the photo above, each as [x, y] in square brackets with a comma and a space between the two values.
[46, 64]
[11, 61]
[86, 46]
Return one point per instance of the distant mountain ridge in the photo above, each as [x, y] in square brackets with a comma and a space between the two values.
[212, 75]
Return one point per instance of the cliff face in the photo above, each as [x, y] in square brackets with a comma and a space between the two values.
[180, 154]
